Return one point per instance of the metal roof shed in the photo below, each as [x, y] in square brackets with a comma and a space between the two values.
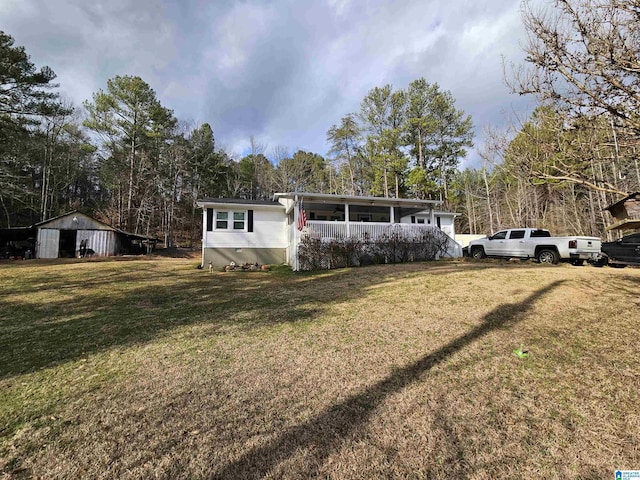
[64, 236]
[75, 233]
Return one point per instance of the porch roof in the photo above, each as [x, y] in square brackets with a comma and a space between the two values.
[356, 200]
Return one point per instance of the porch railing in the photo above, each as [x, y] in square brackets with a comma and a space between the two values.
[362, 230]
[322, 229]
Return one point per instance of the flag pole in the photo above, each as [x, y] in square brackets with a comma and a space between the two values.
[296, 233]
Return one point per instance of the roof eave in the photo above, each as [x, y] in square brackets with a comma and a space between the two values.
[621, 201]
[358, 199]
[203, 204]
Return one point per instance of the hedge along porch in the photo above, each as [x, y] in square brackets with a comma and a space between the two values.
[266, 232]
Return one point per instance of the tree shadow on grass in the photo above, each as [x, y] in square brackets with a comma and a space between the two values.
[326, 432]
[86, 311]
[65, 329]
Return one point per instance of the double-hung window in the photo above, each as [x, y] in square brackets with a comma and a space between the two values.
[235, 221]
[229, 220]
[239, 219]
[222, 220]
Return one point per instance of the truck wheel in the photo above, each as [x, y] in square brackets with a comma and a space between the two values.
[548, 256]
[477, 253]
[617, 265]
[601, 262]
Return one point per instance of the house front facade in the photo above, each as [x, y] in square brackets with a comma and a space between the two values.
[270, 232]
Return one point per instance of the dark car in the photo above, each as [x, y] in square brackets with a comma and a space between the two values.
[624, 251]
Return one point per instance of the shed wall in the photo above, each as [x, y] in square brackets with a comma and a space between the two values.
[81, 222]
[103, 242]
[48, 243]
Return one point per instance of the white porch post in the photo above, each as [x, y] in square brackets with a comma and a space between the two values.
[204, 232]
[392, 216]
[433, 217]
[346, 219]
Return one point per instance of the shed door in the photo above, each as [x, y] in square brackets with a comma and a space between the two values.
[67, 243]
[48, 241]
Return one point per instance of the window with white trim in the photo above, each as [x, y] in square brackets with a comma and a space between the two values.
[231, 220]
[239, 220]
[222, 220]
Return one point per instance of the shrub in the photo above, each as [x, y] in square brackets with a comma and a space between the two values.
[395, 246]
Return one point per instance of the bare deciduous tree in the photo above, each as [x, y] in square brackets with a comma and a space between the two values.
[584, 54]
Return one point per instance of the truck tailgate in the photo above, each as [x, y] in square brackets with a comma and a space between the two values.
[587, 244]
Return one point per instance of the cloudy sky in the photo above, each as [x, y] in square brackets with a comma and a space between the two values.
[283, 71]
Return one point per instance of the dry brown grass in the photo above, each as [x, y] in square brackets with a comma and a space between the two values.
[155, 369]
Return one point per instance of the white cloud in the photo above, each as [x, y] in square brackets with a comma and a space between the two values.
[281, 71]
[237, 36]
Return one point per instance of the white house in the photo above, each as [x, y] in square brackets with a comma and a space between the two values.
[267, 232]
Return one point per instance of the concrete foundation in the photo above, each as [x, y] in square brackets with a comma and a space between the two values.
[224, 256]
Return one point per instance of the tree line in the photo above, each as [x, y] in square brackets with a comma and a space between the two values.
[126, 159]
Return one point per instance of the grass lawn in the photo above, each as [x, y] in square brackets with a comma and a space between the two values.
[150, 368]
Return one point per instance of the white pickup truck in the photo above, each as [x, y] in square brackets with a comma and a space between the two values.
[538, 244]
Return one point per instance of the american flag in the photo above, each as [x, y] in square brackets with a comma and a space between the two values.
[302, 216]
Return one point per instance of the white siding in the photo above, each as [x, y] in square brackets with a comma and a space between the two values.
[446, 224]
[426, 216]
[446, 221]
[48, 243]
[269, 231]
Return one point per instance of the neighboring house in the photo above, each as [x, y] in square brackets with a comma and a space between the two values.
[266, 232]
[626, 213]
[71, 235]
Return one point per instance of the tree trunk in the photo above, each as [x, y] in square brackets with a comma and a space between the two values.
[131, 170]
[486, 187]
[6, 211]
[469, 204]
[420, 159]
[386, 182]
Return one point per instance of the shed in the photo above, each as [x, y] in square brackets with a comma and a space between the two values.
[71, 235]
[626, 213]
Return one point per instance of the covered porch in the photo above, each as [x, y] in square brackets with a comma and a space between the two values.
[340, 217]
